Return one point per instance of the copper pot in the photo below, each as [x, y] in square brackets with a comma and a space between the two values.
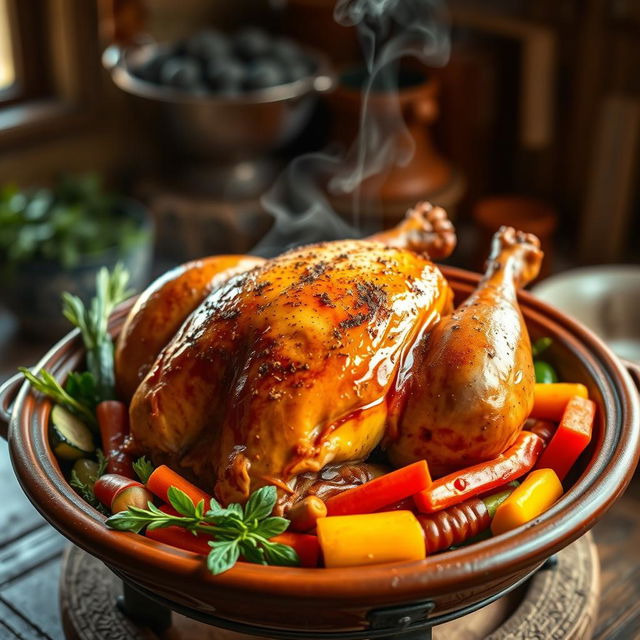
[342, 600]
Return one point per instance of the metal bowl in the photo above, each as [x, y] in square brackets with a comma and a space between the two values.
[366, 602]
[605, 298]
[216, 127]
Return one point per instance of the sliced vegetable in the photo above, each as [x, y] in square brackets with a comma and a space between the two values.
[571, 438]
[381, 491]
[372, 538]
[305, 545]
[461, 522]
[134, 496]
[71, 439]
[87, 471]
[481, 478]
[550, 400]
[305, 514]
[108, 486]
[533, 497]
[545, 373]
[163, 478]
[113, 420]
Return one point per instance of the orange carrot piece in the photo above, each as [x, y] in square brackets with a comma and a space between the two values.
[307, 546]
[113, 420]
[571, 437]
[163, 478]
[381, 491]
[550, 399]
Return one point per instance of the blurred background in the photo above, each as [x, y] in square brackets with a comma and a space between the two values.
[156, 132]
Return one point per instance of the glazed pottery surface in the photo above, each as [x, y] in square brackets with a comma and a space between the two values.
[340, 599]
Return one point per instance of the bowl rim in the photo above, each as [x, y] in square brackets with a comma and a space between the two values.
[603, 481]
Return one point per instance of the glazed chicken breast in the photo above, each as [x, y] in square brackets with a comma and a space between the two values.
[317, 356]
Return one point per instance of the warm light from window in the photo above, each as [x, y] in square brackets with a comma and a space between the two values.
[7, 72]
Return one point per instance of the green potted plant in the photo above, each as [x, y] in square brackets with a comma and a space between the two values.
[55, 240]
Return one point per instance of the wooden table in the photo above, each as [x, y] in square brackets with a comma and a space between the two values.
[31, 550]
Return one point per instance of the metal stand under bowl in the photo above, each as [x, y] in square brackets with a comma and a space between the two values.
[558, 602]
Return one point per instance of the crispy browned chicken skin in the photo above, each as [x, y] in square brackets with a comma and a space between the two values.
[313, 357]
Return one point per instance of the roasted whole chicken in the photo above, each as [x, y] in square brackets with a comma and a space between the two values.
[244, 372]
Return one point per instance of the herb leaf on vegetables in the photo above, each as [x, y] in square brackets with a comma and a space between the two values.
[143, 469]
[237, 530]
[111, 290]
[45, 383]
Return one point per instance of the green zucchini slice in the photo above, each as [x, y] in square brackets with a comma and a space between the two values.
[70, 437]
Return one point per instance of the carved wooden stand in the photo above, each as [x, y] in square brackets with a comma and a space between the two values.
[558, 603]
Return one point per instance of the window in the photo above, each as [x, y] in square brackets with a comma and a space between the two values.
[49, 67]
[7, 70]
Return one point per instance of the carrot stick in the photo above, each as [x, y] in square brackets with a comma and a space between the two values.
[307, 547]
[113, 420]
[378, 493]
[163, 478]
[571, 437]
[551, 399]
[109, 485]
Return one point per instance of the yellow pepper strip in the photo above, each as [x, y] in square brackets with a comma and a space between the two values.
[550, 399]
[371, 538]
[534, 496]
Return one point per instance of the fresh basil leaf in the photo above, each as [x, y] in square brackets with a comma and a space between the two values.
[124, 521]
[261, 503]
[280, 554]
[234, 507]
[181, 502]
[199, 514]
[214, 506]
[223, 556]
[143, 469]
[251, 552]
[270, 527]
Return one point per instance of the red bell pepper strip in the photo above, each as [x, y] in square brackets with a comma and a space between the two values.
[543, 428]
[163, 478]
[113, 420]
[571, 438]
[517, 460]
[381, 491]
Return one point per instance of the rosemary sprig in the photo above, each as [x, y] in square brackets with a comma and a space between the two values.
[85, 490]
[237, 530]
[111, 290]
[47, 384]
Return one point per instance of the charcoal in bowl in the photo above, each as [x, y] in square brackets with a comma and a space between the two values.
[208, 45]
[286, 50]
[264, 73]
[225, 75]
[251, 43]
[150, 68]
[181, 73]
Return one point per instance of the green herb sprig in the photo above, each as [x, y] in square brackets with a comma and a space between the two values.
[237, 530]
[45, 383]
[111, 290]
[143, 469]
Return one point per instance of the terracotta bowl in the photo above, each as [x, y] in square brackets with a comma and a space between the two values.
[342, 600]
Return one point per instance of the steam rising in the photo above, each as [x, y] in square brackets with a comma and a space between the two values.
[388, 31]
